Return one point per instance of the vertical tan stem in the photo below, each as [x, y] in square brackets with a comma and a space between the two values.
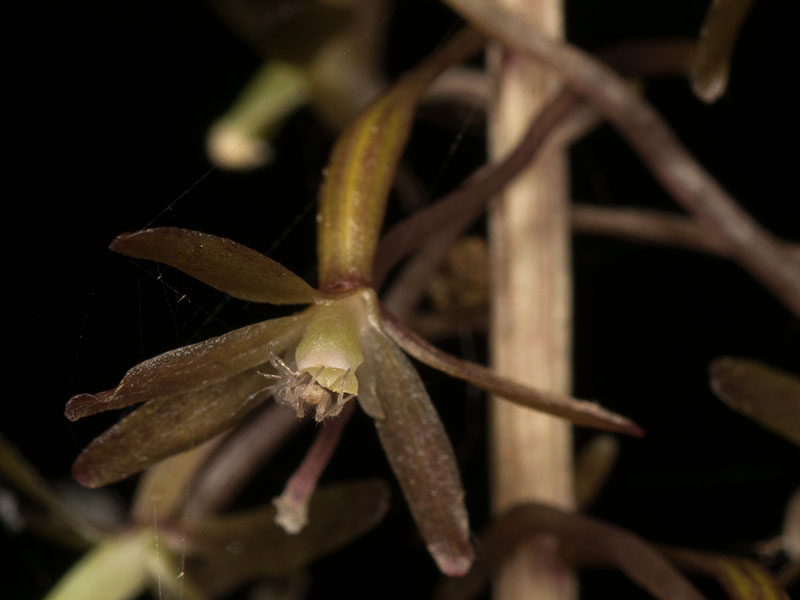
[531, 322]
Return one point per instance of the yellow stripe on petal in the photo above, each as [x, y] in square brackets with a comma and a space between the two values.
[361, 170]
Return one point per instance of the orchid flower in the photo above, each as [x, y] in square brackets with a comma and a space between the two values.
[183, 553]
[343, 346]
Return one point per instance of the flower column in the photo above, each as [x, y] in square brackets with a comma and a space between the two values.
[530, 321]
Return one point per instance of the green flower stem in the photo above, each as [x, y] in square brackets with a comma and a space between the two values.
[362, 167]
[238, 139]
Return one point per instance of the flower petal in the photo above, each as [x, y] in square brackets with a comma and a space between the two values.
[167, 425]
[249, 544]
[768, 396]
[592, 540]
[352, 200]
[418, 451]
[219, 262]
[191, 367]
[712, 64]
[579, 412]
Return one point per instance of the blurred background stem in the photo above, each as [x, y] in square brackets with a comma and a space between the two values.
[530, 315]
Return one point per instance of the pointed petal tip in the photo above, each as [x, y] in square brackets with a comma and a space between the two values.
[119, 242]
[579, 412]
[83, 473]
[114, 244]
[453, 562]
[85, 405]
[631, 428]
[76, 406]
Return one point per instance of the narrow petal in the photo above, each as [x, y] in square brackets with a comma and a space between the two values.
[167, 425]
[219, 262]
[579, 412]
[419, 452]
[362, 167]
[724, 20]
[590, 539]
[83, 405]
[249, 544]
[742, 579]
[191, 367]
[766, 395]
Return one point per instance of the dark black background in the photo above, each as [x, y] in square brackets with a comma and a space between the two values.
[114, 104]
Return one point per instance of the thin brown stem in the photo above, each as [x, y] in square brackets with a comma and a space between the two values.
[461, 207]
[679, 173]
[561, 121]
[651, 57]
[634, 224]
[413, 280]
[654, 227]
[589, 541]
[530, 315]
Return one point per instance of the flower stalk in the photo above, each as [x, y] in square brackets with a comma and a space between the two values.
[530, 321]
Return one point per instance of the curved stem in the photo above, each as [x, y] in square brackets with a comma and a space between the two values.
[679, 173]
[229, 470]
[562, 120]
[654, 227]
[292, 504]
